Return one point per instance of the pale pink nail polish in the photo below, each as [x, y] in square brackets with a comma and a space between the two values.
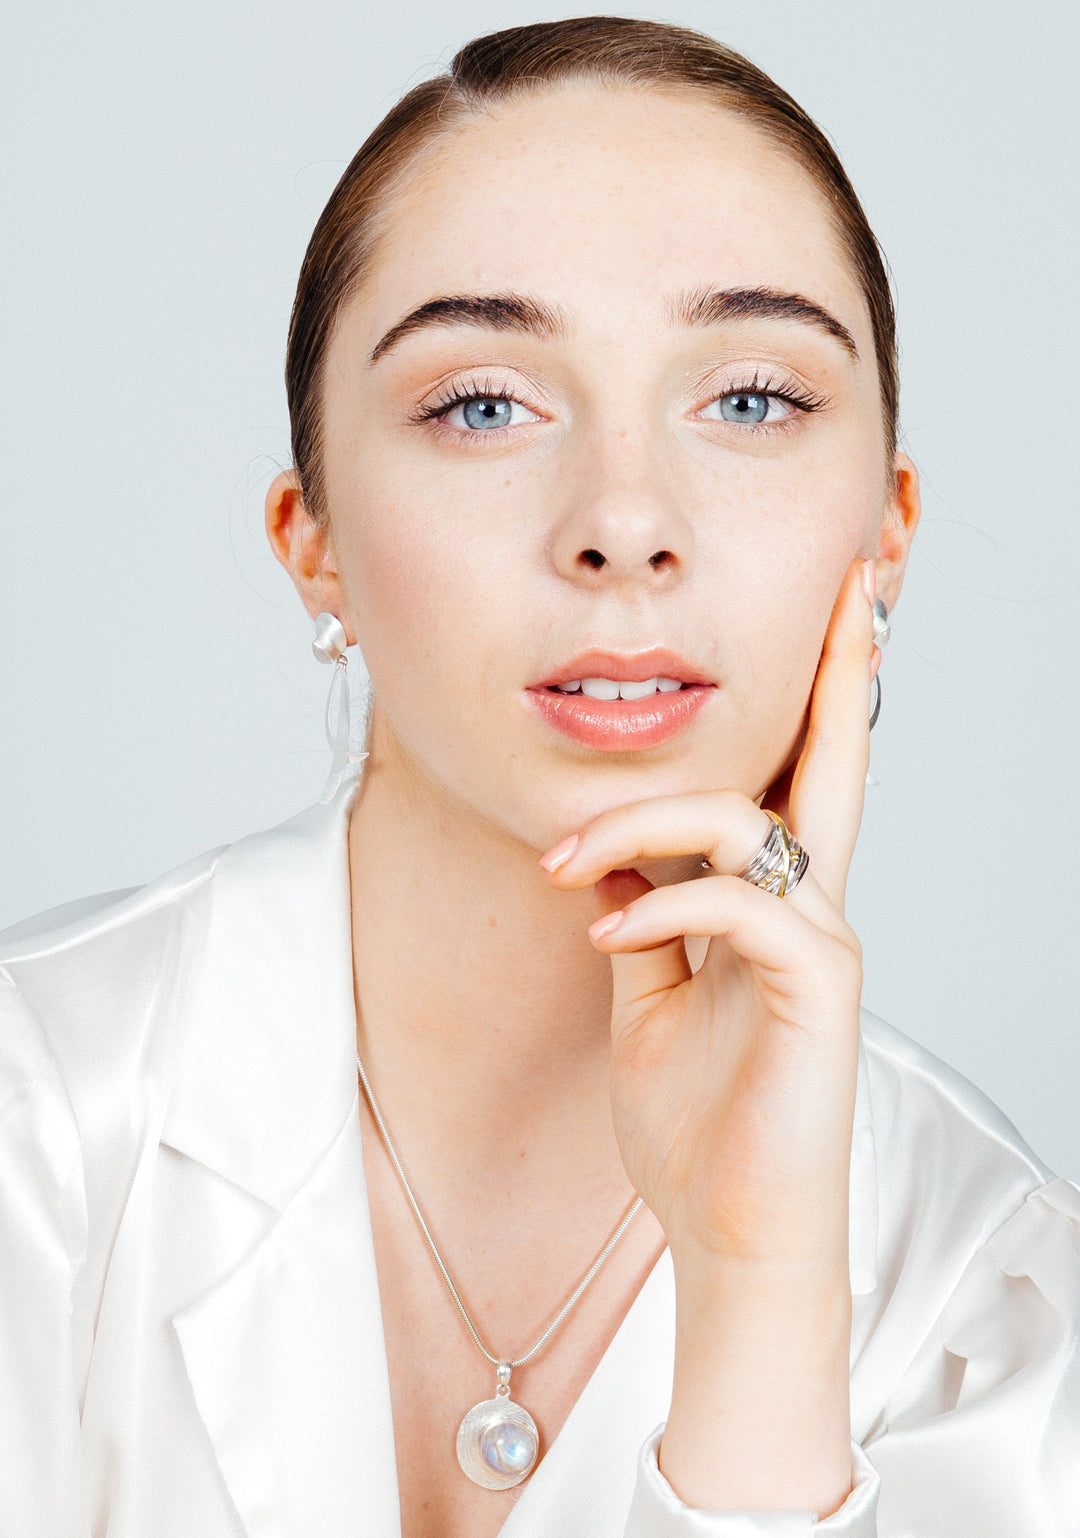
[605, 925]
[869, 580]
[558, 855]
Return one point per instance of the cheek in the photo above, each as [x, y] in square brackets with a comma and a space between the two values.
[780, 537]
[403, 581]
[427, 595]
[779, 533]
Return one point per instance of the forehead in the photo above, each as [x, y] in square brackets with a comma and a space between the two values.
[603, 199]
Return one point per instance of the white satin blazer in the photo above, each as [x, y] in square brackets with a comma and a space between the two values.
[191, 1342]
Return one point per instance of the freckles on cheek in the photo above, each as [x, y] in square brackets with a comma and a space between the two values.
[413, 589]
[397, 585]
[788, 539]
[829, 512]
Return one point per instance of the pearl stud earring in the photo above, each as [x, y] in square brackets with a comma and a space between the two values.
[329, 646]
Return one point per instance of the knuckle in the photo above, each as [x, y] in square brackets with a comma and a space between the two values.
[730, 802]
[598, 828]
[608, 836]
[849, 966]
[854, 945]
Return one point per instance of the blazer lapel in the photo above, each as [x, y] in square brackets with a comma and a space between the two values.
[586, 1480]
[288, 1367]
[284, 1346]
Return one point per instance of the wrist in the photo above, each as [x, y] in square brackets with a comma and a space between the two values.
[706, 1281]
[791, 1332]
[760, 1416]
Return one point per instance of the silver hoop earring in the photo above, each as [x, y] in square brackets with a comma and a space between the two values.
[882, 632]
[329, 647]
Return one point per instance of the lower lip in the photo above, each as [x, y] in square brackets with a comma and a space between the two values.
[620, 726]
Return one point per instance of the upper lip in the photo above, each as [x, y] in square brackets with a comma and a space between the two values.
[656, 662]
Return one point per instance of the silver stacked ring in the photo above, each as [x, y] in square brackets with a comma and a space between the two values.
[781, 862]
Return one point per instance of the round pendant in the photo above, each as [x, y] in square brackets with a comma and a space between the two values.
[498, 1443]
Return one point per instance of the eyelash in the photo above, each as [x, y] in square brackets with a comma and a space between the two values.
[459, 394]
[456, 395]
[804, 401]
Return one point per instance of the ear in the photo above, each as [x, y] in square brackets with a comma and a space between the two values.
[898, 527]
[303, 547]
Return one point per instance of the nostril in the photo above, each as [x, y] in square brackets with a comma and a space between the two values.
[592, 558]
[661, 558]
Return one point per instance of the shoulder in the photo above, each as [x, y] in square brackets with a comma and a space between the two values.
[81, 1037]
[93, 921]
[131, 1020]
[950, 1170]
[916, 1097]
[92, 969]
[109, 981]
[965, 1347]
[88, 971]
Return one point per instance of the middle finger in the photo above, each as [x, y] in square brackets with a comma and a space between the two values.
[723, 826]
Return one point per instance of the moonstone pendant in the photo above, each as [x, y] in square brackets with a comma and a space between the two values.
[497, 1442]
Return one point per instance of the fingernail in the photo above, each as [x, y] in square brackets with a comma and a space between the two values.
[558, 855]
[869, 580]
[605, 925]
[875, 663]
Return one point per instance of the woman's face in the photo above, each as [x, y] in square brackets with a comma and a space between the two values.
[592, 455]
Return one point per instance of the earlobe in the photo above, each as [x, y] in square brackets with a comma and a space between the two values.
[303, 547]
[898, 529]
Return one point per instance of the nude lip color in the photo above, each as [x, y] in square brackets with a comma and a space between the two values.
[619, 726]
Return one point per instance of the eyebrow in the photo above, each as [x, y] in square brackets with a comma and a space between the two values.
[710, 306]
[696, 307]
[494, 312]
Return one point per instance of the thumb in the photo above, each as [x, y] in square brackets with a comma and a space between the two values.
[638, 976]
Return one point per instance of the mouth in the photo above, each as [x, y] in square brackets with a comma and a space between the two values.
[617, 703]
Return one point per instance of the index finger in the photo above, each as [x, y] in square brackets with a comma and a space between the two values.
[829, 780]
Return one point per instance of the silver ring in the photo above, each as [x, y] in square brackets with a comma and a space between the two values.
[781, 862]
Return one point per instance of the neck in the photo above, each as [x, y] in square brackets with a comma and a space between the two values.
[483, 1009]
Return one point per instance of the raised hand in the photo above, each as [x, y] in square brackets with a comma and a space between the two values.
[733, 1088]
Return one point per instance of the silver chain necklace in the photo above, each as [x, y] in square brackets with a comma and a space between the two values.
[497, 1441]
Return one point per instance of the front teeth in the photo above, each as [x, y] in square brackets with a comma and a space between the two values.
[601, 688]
[627, 689]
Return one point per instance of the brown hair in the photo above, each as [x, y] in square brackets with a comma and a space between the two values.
[611, 49]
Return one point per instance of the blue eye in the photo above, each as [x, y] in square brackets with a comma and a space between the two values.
[480, 413]
[744, 408]
[749, 408]
[487, 412]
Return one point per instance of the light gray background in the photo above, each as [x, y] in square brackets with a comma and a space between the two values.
[164, 166]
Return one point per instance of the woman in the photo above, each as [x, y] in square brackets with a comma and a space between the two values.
[593, 387]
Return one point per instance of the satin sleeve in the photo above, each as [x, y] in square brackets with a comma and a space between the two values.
[42, 1241]
[657, 1512]
[980, 1438]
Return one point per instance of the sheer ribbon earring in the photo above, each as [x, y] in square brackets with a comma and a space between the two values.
[882, 632]
[329, 646]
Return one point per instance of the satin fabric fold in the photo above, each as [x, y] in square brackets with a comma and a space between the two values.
[190, 1329]
[657, 1512]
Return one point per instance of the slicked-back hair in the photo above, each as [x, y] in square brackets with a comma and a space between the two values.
[492, 69]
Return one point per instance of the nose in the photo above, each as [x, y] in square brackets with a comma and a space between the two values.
[620, 522]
